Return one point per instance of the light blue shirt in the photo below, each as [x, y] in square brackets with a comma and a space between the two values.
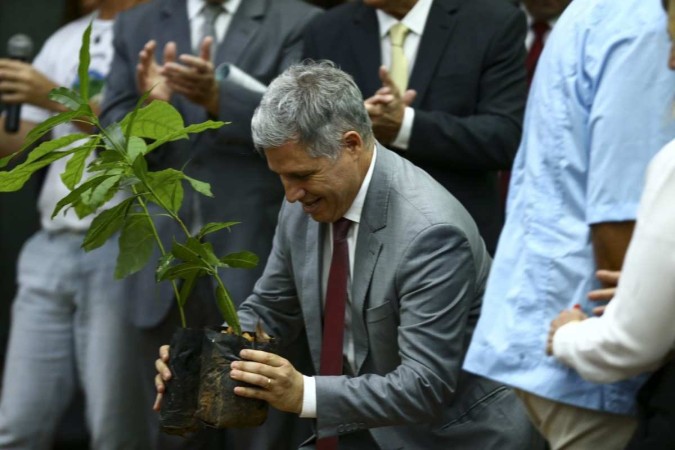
[599, 109]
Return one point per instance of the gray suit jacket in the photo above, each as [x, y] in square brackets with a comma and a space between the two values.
[420, 269]
[263, 39]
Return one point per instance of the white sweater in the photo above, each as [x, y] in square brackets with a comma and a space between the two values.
[637, 329]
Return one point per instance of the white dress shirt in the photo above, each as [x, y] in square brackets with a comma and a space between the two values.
[638, 327]
[196, 19]
[415, 20]
[353, 214]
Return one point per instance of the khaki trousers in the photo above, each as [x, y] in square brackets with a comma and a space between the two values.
[568, 427]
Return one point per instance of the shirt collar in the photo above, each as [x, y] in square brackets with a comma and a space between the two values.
[414, 20]
[354, 211]
[194, 7]
[530, 20]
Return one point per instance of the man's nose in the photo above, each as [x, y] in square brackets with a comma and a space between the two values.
[293, 191]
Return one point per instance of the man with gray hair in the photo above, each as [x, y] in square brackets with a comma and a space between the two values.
[382, 269]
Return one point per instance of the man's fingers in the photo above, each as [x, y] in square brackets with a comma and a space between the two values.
[598, 311]
[198, 65]
[157, 406]
[386, 78]
[256, 379]
[169, 52]
[600, 295]
[608, 277]
[267, 358]
[164, 351]
[205, 48]
[162, 369]
[409, 96]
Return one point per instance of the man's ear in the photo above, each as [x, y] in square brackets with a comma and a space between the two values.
[353, 143]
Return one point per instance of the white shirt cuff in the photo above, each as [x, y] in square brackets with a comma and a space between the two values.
[403, 137]
[309, 398]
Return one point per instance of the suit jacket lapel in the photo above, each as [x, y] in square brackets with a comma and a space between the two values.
[365, 44]
[174, 26]
[435, 39]
[244, 25]
[311, 289]
[368, 247]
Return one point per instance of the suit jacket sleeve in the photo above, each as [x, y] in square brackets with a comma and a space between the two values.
[436, 287]
[274, 300]
[489, 137]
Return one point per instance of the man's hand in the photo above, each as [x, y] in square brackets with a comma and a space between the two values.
[194, 77]
[148, 72]
[387, 107]
[163, 374]
[279, 384]
[608, 278]
[20, 82]
[565, 317]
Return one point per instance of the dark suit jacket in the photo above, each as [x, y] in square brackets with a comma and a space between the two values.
[471, 86]
[263, 39]
[420, 269]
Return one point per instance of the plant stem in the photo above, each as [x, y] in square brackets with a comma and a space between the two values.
[176, 292]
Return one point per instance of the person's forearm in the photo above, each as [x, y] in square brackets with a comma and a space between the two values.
[12, 142]
[610, 242]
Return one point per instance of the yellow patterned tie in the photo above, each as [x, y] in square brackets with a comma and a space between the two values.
[399, 63]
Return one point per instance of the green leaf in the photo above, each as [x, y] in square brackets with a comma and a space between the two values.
[182, 133]
[240, 260]
[188, 286]
[15, 179]
[101, 193]
[226, 307]
[135, 245]
[76, 194]
[83, 69]
[132, 116]
[114, 138]
[212, 227]
[45, 127]
[49, 146]
[163, 265]
[136, 148]
[182, 270]
[200, 186]
[155, 121]
[183, 252]
[204, 250]
[105, 225]
[4, 161]
[196, 252]
[167, 187]
[72, 175]
[140, 168]
[66, 97]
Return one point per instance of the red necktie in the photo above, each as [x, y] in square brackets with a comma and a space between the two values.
[334, 313]
[539, 29]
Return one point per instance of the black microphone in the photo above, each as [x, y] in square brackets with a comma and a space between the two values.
[19, 47]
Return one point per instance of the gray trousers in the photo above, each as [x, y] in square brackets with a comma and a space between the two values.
[68, 326]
